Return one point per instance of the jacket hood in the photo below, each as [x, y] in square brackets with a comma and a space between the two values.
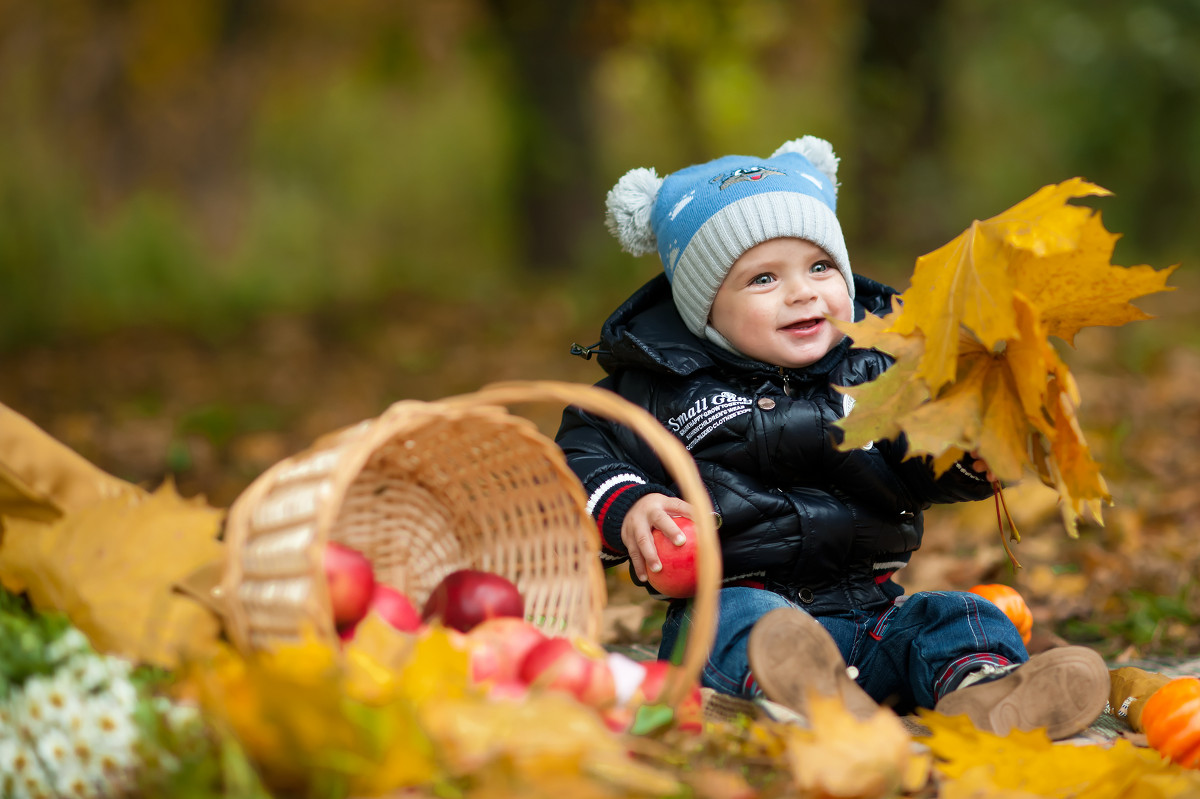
[647, 332]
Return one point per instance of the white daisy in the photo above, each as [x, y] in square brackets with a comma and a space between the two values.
[68, 645]
[111, 735]
[55, 750]
[30, 708]
[83, 750]
[114, 771]
[118, 668]
[124, 694]
[76, 782]
[59, 697]
[34, 788]
[18, 760]
[180, 717]
[89, 672]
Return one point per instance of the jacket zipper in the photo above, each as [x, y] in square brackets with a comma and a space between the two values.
[787, 382]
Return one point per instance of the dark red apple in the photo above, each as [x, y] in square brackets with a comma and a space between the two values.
[678, 575]
[562, 664]
[467, 597]
[395, 608]
[351, 579]
[499, 646]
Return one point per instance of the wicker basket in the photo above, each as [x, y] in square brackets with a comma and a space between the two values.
[428, 488]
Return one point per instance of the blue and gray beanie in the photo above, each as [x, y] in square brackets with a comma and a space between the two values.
[702, 218]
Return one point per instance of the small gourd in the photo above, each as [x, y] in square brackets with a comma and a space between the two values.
[1171, 719]
[1010, 601]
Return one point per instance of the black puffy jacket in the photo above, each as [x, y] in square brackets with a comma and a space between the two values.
[822, 527]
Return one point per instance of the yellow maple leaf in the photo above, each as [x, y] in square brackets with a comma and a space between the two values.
[974, 368]
[970, 281]
[373, 659]
[974, 763]
[838, 755]
[436, 670]
[961, 283]
[290, 710]
[1079, 288]
[40, 478]
[111, 567]
[953, 420]
[881, 403]
[546, 738]
[1073, 472]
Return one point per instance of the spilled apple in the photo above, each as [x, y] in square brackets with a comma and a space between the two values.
[395, 608]
[499, 646]
[466, 597]
[351, 580]
[689, 713]
[574, 666]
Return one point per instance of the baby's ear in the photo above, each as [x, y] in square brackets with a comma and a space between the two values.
[818, 151]
[629, 205]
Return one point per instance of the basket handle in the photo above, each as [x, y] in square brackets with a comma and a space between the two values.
[681, 467]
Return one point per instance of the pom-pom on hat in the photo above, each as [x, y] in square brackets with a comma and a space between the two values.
[702, 218]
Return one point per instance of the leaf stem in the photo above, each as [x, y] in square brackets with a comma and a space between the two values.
[998, 495]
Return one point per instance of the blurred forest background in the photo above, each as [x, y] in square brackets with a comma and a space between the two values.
[230, 226]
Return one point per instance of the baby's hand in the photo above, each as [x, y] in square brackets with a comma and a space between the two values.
[649, 512]
[980, 466]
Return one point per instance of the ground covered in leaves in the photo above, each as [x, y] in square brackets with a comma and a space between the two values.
[144, 404]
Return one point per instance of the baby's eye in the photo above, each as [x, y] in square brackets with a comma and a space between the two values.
[761, 280]
[822, 266]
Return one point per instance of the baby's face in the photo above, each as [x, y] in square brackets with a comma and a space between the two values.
[773, 303]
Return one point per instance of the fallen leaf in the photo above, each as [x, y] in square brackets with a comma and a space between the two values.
[40, 478]
[1029, 764]
[290, 710]
[111, 567]
[840, 756]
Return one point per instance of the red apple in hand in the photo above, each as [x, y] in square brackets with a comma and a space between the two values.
[560, 664]
[499, 646]
[395, 608]
[351, 580]
[467, 597]
[678, 575]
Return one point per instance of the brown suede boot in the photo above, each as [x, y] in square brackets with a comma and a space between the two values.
[792, 655]
[1063, 690]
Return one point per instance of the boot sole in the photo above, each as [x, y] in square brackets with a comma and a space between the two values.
[791, 655]
[1063, 690]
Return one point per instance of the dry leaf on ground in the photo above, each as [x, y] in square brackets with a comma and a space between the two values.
[840, 756]
[973, 763]
[112, 566]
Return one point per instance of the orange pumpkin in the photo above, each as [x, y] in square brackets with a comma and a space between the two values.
[1171, 719]
[1011, 602]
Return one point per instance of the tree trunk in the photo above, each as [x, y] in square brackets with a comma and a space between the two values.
[899, 122]
[554, 169]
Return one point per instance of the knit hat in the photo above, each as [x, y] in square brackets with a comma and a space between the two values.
[702, 218]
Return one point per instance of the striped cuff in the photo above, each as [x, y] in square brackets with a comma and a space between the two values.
[958, 669]
[969, 473]
[608, 503]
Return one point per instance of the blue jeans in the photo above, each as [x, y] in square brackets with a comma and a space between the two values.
[908, 654]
